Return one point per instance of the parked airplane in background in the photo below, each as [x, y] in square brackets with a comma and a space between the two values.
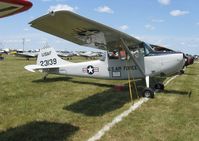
[27, 55]
[1, 54]
[11, 7]
[126, 57]
[89, 54]
[65, 54]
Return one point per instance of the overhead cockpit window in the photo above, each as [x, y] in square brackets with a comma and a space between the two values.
[145, 49]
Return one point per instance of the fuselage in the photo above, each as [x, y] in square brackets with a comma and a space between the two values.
[158, 64]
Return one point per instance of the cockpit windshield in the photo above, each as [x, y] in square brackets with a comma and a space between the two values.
[146, 49]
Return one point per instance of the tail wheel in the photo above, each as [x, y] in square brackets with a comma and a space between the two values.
[159, 86]
[148, 93]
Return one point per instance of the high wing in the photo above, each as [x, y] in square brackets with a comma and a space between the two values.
[82, 31]
[10, 7]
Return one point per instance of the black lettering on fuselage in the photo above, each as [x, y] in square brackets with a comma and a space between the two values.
[130, 68]
[46, 54]
[120, 68]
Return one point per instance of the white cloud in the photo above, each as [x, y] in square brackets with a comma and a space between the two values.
[178, 13]
[164, 2]
[104, 9]
[149, 27]
[62, 7]
[26, 29]
[123, 27]
[158, 20]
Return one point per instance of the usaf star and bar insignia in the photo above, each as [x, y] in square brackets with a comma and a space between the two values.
[90, 70]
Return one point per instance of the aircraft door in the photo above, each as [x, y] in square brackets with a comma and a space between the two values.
[138, 54]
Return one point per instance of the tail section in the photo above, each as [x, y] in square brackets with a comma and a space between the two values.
[47, 59]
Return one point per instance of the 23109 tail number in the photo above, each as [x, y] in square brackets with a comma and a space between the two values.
[49, 62]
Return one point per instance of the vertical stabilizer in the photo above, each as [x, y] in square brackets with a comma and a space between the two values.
[48, 57]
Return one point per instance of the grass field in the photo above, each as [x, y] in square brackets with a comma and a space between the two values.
[74, 108]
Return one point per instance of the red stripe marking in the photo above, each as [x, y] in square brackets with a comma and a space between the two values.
[26, 5]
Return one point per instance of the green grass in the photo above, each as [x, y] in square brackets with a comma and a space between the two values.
[171, 116]
[75, 108]
[61, 108]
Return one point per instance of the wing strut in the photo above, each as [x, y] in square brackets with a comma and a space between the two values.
[130, 54]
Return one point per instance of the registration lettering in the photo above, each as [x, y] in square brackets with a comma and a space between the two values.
[48, 62]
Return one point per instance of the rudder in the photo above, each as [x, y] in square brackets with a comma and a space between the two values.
[48, 57]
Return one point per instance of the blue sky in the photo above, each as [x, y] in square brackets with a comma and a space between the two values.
[172, 23]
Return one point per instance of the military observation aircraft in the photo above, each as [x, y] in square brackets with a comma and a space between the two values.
[11, 7]
[126, 57]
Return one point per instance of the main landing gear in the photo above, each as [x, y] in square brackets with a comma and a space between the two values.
[149, 92]
[45, 76]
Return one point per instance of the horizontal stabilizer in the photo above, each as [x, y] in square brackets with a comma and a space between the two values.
[33, 68]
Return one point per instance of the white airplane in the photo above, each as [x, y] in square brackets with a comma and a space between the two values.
[27, 55]
[65, 54]
[129, 57]
[88, 54]
[11, 7]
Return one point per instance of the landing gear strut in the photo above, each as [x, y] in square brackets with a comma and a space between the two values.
[45, 76]
[148, 92]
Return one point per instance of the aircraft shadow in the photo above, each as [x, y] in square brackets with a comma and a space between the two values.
[110, 100]
[54, 79]
[39, 131]
[105, 102]
[176, 92]
[92, 83]
[100, 103]
[70, 79]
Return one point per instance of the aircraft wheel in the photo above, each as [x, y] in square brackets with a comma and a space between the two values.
[181, 71]
[148, 93]
[159, 86]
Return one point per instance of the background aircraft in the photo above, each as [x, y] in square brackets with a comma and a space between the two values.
[27, 54]
[11, 7]
[132, 58]
[89, 54]
[66, 54]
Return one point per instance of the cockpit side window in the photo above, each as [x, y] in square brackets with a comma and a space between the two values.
[103, 57]
[113, 54]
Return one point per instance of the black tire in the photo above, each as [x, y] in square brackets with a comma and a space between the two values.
[148, 93]
[181, 72]
[159, 86]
